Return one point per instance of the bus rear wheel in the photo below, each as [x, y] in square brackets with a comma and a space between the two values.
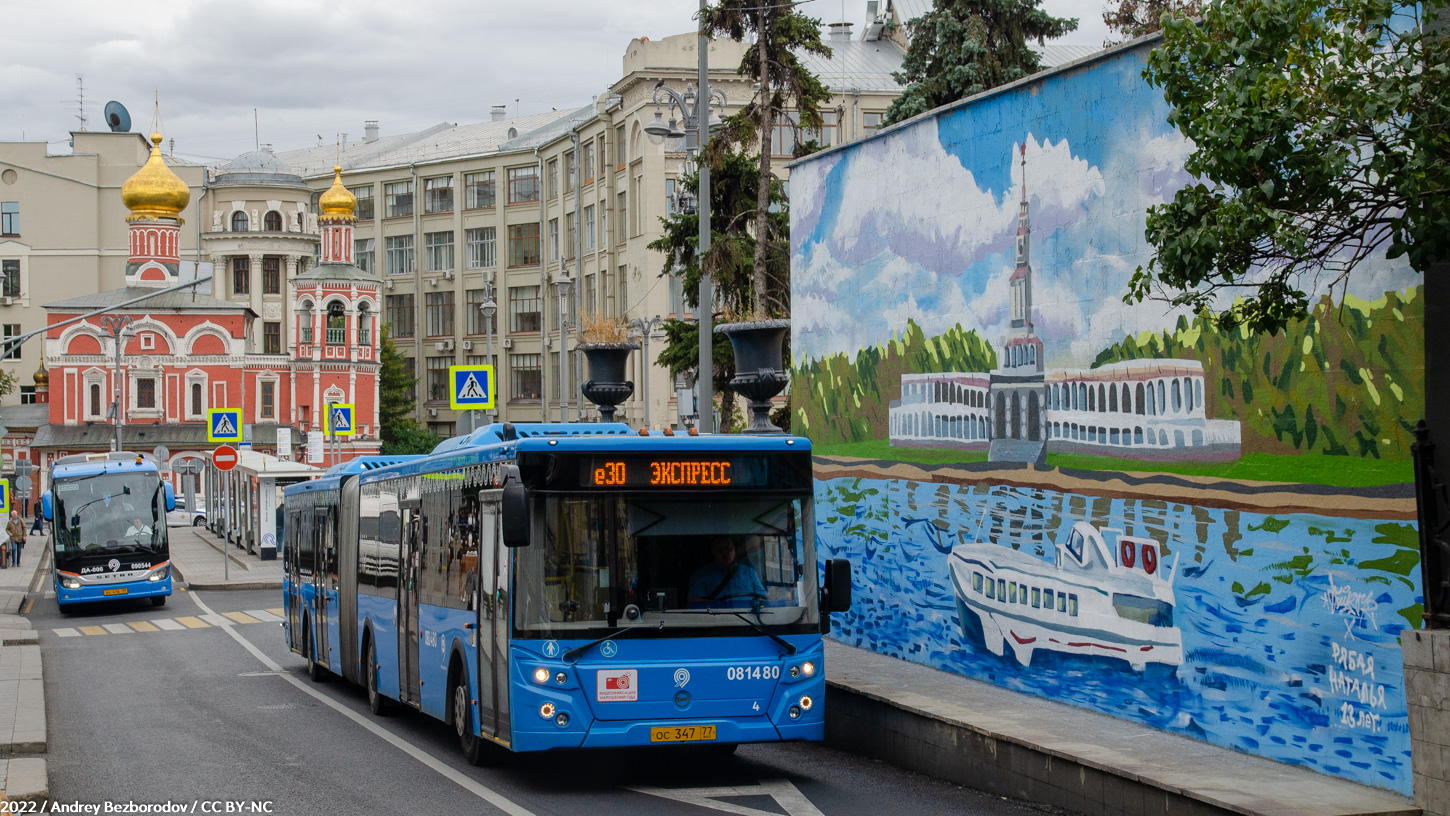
[377, 703]
[470, 743]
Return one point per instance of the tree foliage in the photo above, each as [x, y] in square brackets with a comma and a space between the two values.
[1320, 139]
[396, 400]
[787, 91]
[1131, 19]
[964, 47]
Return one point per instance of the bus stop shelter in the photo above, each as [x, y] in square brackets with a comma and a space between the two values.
[242, 503]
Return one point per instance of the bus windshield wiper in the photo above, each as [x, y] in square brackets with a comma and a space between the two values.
[784, 644]
[573, 654]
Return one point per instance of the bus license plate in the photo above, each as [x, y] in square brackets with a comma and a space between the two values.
[121, 591]
[682, 733]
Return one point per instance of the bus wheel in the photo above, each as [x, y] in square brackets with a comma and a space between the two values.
[314, 669]
[470, 743]
[377, 703]
[158, 600]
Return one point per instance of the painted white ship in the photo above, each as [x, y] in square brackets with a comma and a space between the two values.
[1092, 601]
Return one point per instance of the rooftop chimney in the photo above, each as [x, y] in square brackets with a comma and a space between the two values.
[500, 112]
[370, 131]
[840, 31]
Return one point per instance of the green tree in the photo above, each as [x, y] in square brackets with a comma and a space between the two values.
[396, 401]
[964, 47]
[1320, 139]
[787, 92]
[1131, 19]
[8, 383]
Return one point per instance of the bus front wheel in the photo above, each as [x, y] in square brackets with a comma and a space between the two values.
[377, 703]
[158, 600]
[314, 669]
[470, 743]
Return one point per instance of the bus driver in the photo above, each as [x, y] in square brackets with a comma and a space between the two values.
[724, 582]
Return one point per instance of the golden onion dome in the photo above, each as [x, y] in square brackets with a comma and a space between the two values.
[337, 202]
[154, 191]
[41, 377]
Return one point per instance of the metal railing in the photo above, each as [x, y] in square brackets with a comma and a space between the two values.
[336, 337]
[1432, 502]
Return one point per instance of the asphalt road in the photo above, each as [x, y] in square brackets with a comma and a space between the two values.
[193, 715]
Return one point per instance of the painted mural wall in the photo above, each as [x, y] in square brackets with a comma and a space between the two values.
[1119, 507]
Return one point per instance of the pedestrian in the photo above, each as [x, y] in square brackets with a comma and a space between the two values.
[38, 528]
[16, 533]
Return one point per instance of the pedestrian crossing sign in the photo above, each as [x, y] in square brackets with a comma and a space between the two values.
[340, 419]
[4, 499]
[473, 387]
[224, 425]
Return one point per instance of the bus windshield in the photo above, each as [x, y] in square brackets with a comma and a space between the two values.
[108, 514]
[685, 565]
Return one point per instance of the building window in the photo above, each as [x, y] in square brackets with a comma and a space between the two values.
[364, 326]
[400, 315]
[362, 254]
[524, 309]
[410, 372]
[95, 400]
[438, 251]
[442, 430]
[783, 135]
[438, 314]
[336, 324]
[571, 173]
[269, 399]
[271, 276]
[588, 162]
[523, 244]
[473, 312]
[553, 178]
[9, 217]
[271, 338]
[11, 330]
[523, 184]
[478, 189]
[525, 376]
[304, 320]
[437, 379]
[482, 247]
[589, 292]
[27, 395]
[570, 232]
[871, 121]
[672, 188]
[620, 154]
[241, 276]
[10, 272]
[400, 254]
[553, 239]
[272, 221]
[589, 228]
[364, 196]
[398, 197]
[623, 290]
[239, 221]
[145, 392]
[438, 194]
[622, 220]
[196, 405]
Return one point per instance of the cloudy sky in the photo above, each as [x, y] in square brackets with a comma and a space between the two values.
[314, 69]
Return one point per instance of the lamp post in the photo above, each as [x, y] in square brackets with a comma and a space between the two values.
[489, 309]
[563, 283]
[118, 326]
[694, 108]
[641, 328]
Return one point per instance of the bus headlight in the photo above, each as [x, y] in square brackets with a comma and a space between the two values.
[541, 675]
[160, 573]
[808, 668]
[806, 702]
[547, 711]
[70, 583]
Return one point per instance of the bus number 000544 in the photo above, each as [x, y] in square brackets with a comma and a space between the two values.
[752, 673]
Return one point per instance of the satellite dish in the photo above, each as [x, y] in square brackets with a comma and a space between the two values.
[117, 117]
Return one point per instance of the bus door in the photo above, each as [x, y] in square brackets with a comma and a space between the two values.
[326, 557]
[293, 598]
[408, 605]
[493, 618]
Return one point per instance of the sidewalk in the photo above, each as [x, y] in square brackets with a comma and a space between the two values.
[1012, 744]
[23, 776]
[196, 557]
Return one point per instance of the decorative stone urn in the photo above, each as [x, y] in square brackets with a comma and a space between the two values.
[759, 370]
[606, 386]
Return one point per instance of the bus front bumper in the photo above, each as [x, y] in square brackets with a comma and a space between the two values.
[112, 592]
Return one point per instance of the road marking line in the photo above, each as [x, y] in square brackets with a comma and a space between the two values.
[215, 620]
[494, 798]
[93, 630]
[278, 611]
[264, 615]
[191, 622]
[141, 626]
[67, 632]
[118, 628]
[167, 624]
[241, 617]
[786, 795]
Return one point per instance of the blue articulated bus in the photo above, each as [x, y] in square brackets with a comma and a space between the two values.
[108, 528]
[550, 586]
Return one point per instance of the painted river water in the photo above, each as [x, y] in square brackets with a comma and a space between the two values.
[1290, 624]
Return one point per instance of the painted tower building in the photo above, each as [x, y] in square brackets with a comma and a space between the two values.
[183, 353]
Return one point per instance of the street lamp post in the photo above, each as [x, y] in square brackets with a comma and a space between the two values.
[489, 309]
[694, 108]
[118, 326]
[563, 347]
[641, 328]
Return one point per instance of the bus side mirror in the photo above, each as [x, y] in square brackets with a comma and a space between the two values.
[515, 514]
[837, 595]
[45, 505]
[170, 496]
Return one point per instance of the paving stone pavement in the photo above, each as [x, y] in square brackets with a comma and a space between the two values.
[22, 689]
[196, 553]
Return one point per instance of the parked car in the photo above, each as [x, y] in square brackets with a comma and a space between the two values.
[183, 516]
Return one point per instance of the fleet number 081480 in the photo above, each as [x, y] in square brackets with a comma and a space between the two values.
[752, 673]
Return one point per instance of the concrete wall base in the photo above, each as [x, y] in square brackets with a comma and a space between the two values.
[1427, 690]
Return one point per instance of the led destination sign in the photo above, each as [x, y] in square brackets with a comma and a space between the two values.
[659, 471]
[664, 473]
